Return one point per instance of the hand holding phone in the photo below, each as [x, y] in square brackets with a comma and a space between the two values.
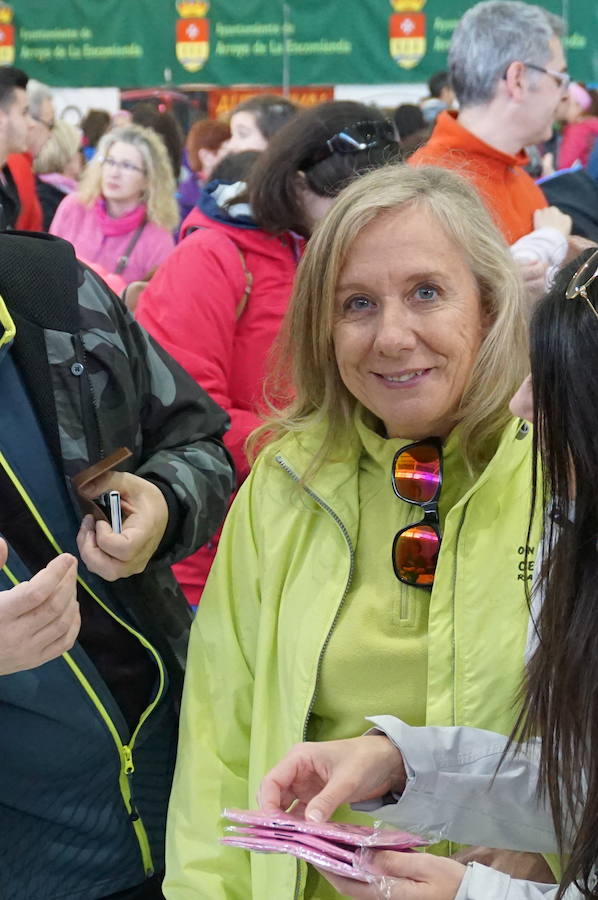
[115, 555]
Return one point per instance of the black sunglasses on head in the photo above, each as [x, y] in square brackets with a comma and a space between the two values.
[355, 138]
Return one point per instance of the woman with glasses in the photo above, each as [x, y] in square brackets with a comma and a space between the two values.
[375, 558]
[474, 785]
[122, 216]
[218, 301]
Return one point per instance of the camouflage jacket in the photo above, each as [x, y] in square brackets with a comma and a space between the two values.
[99, 382]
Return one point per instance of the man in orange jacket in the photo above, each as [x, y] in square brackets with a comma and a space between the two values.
[508, 71]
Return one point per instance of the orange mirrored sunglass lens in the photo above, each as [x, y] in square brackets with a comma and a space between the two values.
[415, 554]
[417, 473]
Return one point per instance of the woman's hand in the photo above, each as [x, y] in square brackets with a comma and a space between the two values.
[113, 555]
[403, 876]
[327, 774]
[517, 864]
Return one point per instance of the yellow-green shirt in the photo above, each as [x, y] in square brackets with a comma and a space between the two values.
[377, 657]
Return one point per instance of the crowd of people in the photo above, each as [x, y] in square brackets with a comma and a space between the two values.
[336, 364]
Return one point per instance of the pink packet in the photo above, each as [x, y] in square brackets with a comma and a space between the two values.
[329, 848]
[301, 851]
[350, 835]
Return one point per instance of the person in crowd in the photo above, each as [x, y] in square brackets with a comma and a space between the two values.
[408, 120]
[441, 96]
[547, 244]
[411, 128]
[461, 779]
[57, 168]
[41, 111]
[508, 71]
[166, 126]
[204, 148]
[95, 123]
[580, 130]
[575, 193]
[254, 121]
[93, 627]
[404, 342]
[120, 117]
[218, 301]
[15, 127]
[233, 168]
[124, 211]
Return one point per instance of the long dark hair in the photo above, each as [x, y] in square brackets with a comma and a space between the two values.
[560, 702]
[274, 192]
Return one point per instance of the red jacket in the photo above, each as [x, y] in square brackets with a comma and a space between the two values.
[510, 194]
[30, 217]
[191, 307]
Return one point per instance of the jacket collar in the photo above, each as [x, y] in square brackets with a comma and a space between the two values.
[27, 260]
[449, 131]
[335, 484]
[215, 203]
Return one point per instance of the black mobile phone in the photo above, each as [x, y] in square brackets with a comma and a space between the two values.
[110, 503]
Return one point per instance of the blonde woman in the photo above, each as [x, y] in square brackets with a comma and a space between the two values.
[58, 168]
[124, 212]
[374, 560]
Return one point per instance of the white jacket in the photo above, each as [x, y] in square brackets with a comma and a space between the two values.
[452, 788]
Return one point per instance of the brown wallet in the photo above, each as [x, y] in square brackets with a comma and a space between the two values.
[91, 473]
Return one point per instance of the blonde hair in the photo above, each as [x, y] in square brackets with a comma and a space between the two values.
[59, 149]
[306, 339]
[160, 192]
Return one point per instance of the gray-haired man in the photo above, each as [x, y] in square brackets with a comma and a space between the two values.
[508, 71]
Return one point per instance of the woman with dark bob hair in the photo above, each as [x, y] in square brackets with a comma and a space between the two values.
[216, 304]
[375, 557]
[255, 121]
[536, 793]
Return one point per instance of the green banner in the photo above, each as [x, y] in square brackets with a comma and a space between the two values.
[137, 43]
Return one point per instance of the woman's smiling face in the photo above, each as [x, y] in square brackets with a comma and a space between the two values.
[408, 323]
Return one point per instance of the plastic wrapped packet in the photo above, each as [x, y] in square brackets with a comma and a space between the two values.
[352, 835]
[329, 845]
[301, 851]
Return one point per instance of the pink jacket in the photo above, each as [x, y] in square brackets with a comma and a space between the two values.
[191, 307]
[577, 143]
[80, 225]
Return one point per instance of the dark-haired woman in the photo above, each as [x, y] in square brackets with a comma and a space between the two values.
[475, 786]
[256, 120]
[216, 304]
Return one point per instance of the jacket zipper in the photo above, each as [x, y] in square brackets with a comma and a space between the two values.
[453, 643]
[125, 751]
[321, 503]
